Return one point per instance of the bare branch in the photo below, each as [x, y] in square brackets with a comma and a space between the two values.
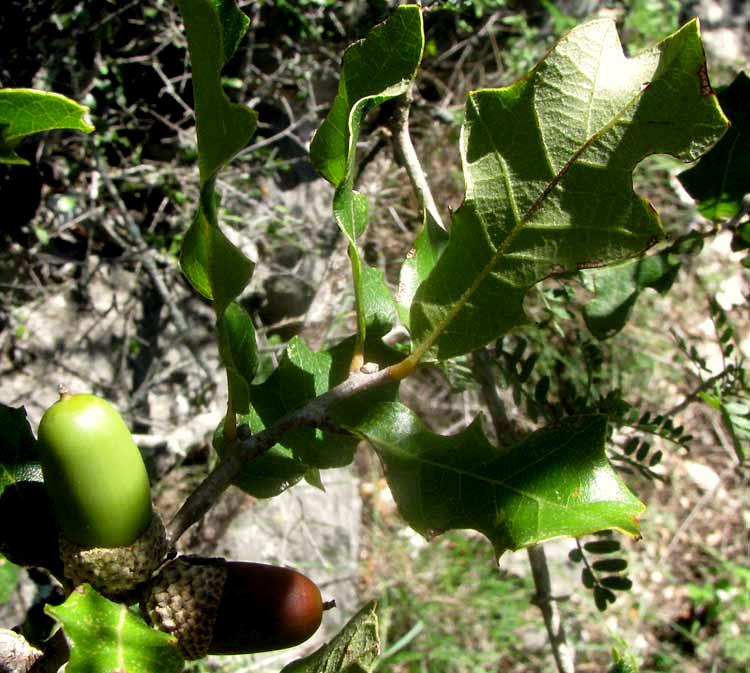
[407, 156]
[564, 654]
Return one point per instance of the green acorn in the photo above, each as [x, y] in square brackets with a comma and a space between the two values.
[94, 472]
[99, 489]
[214, 606]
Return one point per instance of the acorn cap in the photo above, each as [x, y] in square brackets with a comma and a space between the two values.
[117, 572]
[183, 600]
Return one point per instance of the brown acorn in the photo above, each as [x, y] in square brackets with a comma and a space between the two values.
[214, 606]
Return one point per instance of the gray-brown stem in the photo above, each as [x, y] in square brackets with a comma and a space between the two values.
[563, 653]
[407, 156]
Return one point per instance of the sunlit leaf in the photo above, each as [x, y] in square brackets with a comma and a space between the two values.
[268, 475]
[215, 267]
[548, 168]
[419, 263]
[27, 111]
[106, 637]
[303, 375]
[379, 304]
[9, 574]
[374, 70]
[213, 31]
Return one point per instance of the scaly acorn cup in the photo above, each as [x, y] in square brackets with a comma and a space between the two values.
[214, 606]
[99, 489]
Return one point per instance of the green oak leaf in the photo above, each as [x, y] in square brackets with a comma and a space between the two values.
[269, 474]
[721, 179]
[555, 482]
[303, 375]
[215, 267]
[616, 288]
[214, 30]
[314, 478]
[106, 636]
[379, 304]
[238, 349]
[19, 457]
[27, 111]
[234, 25]
[9, 575]
[548, 165]
[374, 70]
[355, 649]
[8, 154]
[428, 246]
